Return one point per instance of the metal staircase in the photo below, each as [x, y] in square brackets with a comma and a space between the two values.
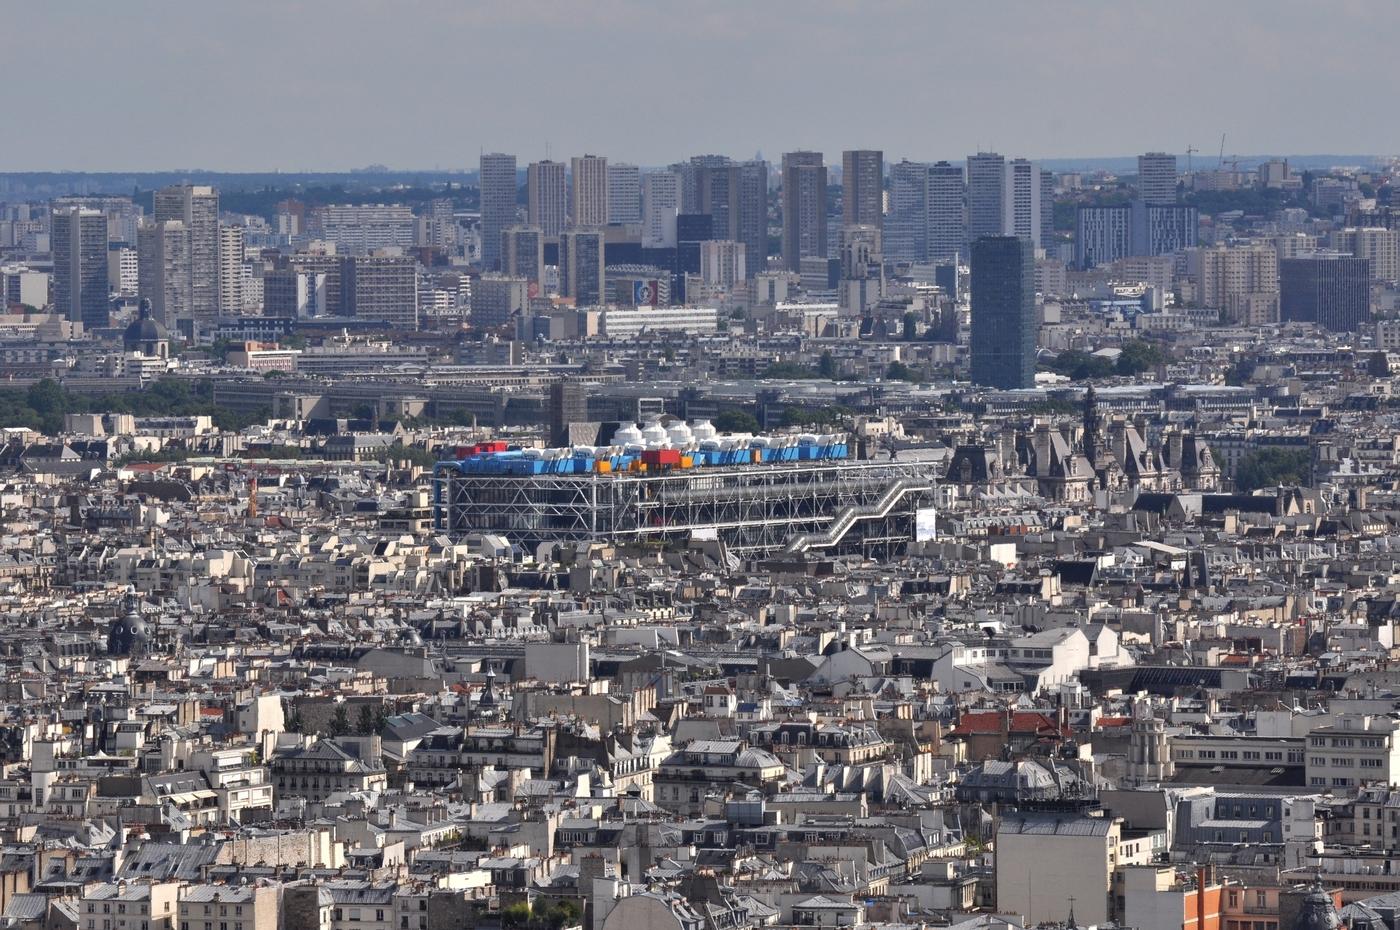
[839, 527]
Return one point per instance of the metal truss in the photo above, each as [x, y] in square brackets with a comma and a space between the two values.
[753, 509]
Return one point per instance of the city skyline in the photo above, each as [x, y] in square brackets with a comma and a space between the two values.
[978, 87]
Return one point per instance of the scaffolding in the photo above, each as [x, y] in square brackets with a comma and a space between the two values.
[837, 506]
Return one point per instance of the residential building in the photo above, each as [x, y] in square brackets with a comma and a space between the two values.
[1156, 178]
[986, 186]
[624, 194]
[197, 206]
[804, 208]
[522, 256]
[164, 274]
[78, 238]
[863, 188]
[581, 274]
[381, 287]
[588, 191]
[548, 197]
[661, 193]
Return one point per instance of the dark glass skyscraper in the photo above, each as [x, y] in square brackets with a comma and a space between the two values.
[1327, 288]
[1003, 312]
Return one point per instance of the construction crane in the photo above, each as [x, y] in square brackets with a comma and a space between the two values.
[1221, 162]
[1190, 150]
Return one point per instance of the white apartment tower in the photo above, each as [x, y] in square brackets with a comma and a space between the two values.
[1021, 196]
[231, 248]
[1157, 178]
[624, 194]
[197, 207]
[661, 202]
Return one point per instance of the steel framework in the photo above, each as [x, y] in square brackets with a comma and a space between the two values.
[833, 505]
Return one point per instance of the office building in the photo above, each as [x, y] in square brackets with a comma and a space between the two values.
[624, 194]
[1003, 312]
[588, 193]
[1378, 245]
[547, 195]
[78, 240]
[163, 272]
[197, 206]
[691, 230]
[753, 215]
[1021, 206]
[717, 193]
[292, 292]
[631, 322]
[358, 229]
[661, 197]
[1163, 229]
[906, 228]
[327, 269]
[382, 288]
[986, 180]
[581, 266]
[927, 221]
[1104, 234]
[522, 256]
[1327, 288]
[497, 205]
[863, 188]
[231, 246]
[947, 216]
[1047, 208]
[496, 299]
[690, 172]
[804, 208]
[722, 263]
[1157, 178]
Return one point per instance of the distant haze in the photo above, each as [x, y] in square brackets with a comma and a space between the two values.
[299, 85]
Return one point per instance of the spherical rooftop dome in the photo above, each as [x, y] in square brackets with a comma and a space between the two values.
[144, 329]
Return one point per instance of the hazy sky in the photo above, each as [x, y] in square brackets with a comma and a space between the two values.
[315, 84]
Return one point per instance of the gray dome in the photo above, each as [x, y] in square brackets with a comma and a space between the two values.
[144, 329]
[1317, 911]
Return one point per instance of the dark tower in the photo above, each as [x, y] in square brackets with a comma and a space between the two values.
[1003, 312]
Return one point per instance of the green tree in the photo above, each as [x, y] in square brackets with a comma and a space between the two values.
[826, 366]
[515, 915]
[340, 721]
[898, 371]
[787, 371]
[736, 421]
[1079, 365]
[1272, 466]
[50, 402]
[365, 724]
[1138, 356]
[911, 326]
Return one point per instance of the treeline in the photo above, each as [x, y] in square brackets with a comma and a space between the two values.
[42, 406]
